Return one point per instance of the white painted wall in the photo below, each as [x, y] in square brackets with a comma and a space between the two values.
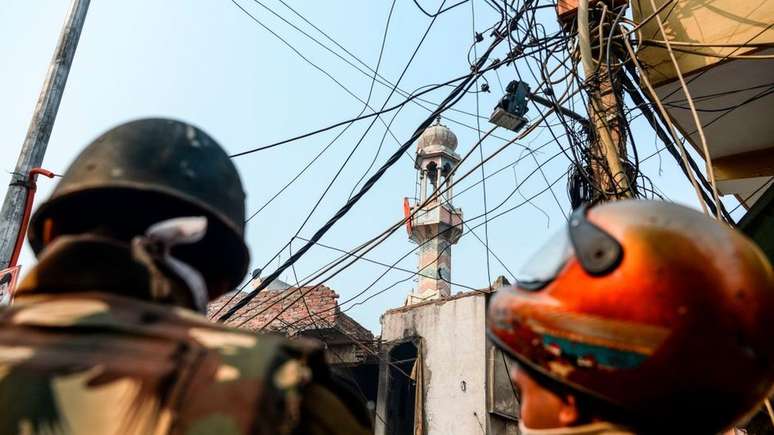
[454, 351]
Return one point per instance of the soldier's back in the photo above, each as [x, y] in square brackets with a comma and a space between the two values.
[94, 363]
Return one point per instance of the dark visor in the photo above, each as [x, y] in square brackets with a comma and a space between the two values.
[597, 252]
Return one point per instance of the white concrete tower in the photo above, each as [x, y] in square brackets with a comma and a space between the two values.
[437, 225]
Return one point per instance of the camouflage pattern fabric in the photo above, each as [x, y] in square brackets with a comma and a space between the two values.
[98, 363]
[84, 350]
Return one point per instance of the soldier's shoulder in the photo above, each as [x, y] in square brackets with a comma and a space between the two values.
[141, 318]
[249, 356]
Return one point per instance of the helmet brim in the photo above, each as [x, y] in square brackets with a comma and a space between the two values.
[222, 254]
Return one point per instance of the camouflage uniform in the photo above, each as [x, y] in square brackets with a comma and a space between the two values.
[79, 355]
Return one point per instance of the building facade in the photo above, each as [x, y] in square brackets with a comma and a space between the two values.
[438, 373]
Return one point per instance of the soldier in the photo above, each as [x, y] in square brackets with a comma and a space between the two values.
[104, 336]
[639, 317]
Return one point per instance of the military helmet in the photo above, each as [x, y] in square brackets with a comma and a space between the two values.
[144, 171]
[650, 307]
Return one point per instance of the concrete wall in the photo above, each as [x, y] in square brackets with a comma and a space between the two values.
[453, 347]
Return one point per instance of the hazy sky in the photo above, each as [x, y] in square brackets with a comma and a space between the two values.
[208, 63]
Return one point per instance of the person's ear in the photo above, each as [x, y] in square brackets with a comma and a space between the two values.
[49, 233]
[568, 413]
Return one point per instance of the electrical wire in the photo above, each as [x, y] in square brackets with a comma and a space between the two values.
[331, 142]
[675, 142]
[370, 115]
[440, 11]
[526, 201]
[363, 136]
[382, 236]
[368, 260]
[411, 252]
[482, 62]
[366, 187]
[481, 154]
[524, 133]
[710, 170]
[351, 253]
[382, 80]
[468, 76]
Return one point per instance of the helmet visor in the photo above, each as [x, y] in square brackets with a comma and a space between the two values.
[544, 265]
[598, 252]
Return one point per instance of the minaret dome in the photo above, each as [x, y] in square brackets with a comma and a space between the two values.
[435, 138]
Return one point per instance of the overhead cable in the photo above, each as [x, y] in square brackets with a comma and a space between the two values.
[366, 187]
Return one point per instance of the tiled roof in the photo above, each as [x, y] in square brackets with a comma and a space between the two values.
[285, 311]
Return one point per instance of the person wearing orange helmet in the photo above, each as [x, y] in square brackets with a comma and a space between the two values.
[639, 317]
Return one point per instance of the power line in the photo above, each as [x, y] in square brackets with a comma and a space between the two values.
[363, 258]
[398, 224]
[295, 50]
[289, 45]
[369, 245]
[481, 151]
[477, 70]
[365, 133]
[351, 253]
[245, 300]
[366, 187]
[382, 80]
[440, 11]
[549, 185]
[311, 162]
[415, 248]
[365, 105]
[357, 118]
[517, 206]
[375, 72]
[495, 64]
[298, 175]
[393, 228]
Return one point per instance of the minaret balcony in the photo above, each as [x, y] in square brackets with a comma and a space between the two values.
[436, 220]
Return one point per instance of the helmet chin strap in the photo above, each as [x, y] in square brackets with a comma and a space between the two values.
[596, 428]
[153, 250]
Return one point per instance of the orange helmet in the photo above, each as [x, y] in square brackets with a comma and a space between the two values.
[650, 307]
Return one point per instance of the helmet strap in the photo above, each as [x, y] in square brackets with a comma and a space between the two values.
[153, 250]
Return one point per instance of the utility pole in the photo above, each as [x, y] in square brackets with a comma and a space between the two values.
[34, 147]
[608, 146]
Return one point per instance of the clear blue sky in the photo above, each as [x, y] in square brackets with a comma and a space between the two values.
[208, 63]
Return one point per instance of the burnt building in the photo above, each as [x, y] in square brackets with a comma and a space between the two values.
[438, 373]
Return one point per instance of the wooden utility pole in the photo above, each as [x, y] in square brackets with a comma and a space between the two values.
[34, 147]
[608, 145]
